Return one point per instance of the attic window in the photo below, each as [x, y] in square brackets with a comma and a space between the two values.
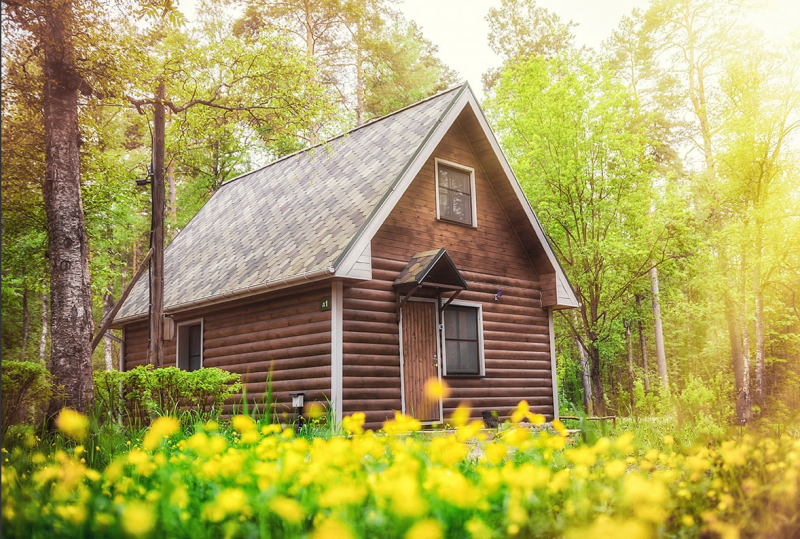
[455, 193]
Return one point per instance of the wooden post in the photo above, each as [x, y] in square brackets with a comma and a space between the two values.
[106, 323]
[156, 351]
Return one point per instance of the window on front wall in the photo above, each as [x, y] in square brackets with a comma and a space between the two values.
[463, 346]
[190, 345]
[455, 193]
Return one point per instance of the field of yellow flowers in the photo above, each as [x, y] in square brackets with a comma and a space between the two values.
[252, 480]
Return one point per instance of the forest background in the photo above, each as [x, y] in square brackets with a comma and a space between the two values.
[663, 164]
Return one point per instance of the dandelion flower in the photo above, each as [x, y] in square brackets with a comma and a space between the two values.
[163, 427]
[73, 424]
[436, 389]
[138, 519]
[425, 529]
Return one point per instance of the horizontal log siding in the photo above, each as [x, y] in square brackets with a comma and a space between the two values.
[287, 333]
[490, 257]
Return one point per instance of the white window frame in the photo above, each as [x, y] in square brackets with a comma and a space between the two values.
[481, 358]
[471, 171]
[178, 339]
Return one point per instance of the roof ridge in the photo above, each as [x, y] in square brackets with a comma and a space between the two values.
[371, 122]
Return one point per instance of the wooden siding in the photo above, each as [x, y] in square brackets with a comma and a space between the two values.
[490, 257]
[288, 334]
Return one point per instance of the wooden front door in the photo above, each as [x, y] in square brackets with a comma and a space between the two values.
[420, 359]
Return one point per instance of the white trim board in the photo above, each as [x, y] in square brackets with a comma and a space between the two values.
[553, 371]
[337, 346]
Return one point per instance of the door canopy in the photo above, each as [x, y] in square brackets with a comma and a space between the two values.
[428, 274]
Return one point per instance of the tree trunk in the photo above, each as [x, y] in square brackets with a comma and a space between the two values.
[70, 280]
[156, 348]
[108, 351]
[661, 356]
[745, 413]
[25, 323]
[643, 348]
[758, 292]
[43, 339]
[586, 378]
[597, 384]
[630, 364]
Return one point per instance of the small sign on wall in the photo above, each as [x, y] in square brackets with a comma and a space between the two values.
[325, 304]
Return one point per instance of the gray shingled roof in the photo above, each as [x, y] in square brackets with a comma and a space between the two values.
[292, 217]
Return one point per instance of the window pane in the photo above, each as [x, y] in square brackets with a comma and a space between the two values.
[195, 348]
[461, 340]
[455, 194]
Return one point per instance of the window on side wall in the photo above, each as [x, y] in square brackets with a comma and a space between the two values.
[463, 340]
[455, 193]
[190, 345]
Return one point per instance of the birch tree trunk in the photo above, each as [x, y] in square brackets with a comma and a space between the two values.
[661, 356]
[643, 348]
[70, 280]
[758, 292]
[108, 349]
[43, 338]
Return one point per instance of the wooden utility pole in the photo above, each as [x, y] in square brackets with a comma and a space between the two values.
[156, 351]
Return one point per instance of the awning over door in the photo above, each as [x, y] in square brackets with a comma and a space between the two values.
[429, 274]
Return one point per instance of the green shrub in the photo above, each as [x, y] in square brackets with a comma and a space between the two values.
[145, 393]
[26, 389]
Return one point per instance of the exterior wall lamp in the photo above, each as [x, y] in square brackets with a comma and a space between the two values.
[298, 400]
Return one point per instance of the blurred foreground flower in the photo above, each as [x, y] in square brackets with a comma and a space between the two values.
[73, 424]
[354, 424]
[436, 389]
[401, 424]
[163, 427]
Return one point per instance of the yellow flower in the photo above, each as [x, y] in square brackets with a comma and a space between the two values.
[560, 428]
[560, 481]
[232, 501]
[687, 520]
[615, 468]
[646, 498]
[521, 412]
[332, 528]
[425, 529]
[354, 424]
[436, 389]
[478, 529]
[163, 427]
[401, 424]
[343, 494]
[625, 443]
[495, 452]
[243, 423]
[288, 509]
[138, 519]
[73, 424]
[669, 440]
[461, 415]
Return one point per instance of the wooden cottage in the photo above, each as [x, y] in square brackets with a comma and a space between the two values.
[358, 269]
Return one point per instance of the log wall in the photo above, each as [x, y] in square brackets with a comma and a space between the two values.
[490, 257]
[288, 334]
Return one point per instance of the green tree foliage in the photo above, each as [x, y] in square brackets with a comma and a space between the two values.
[570, 133]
